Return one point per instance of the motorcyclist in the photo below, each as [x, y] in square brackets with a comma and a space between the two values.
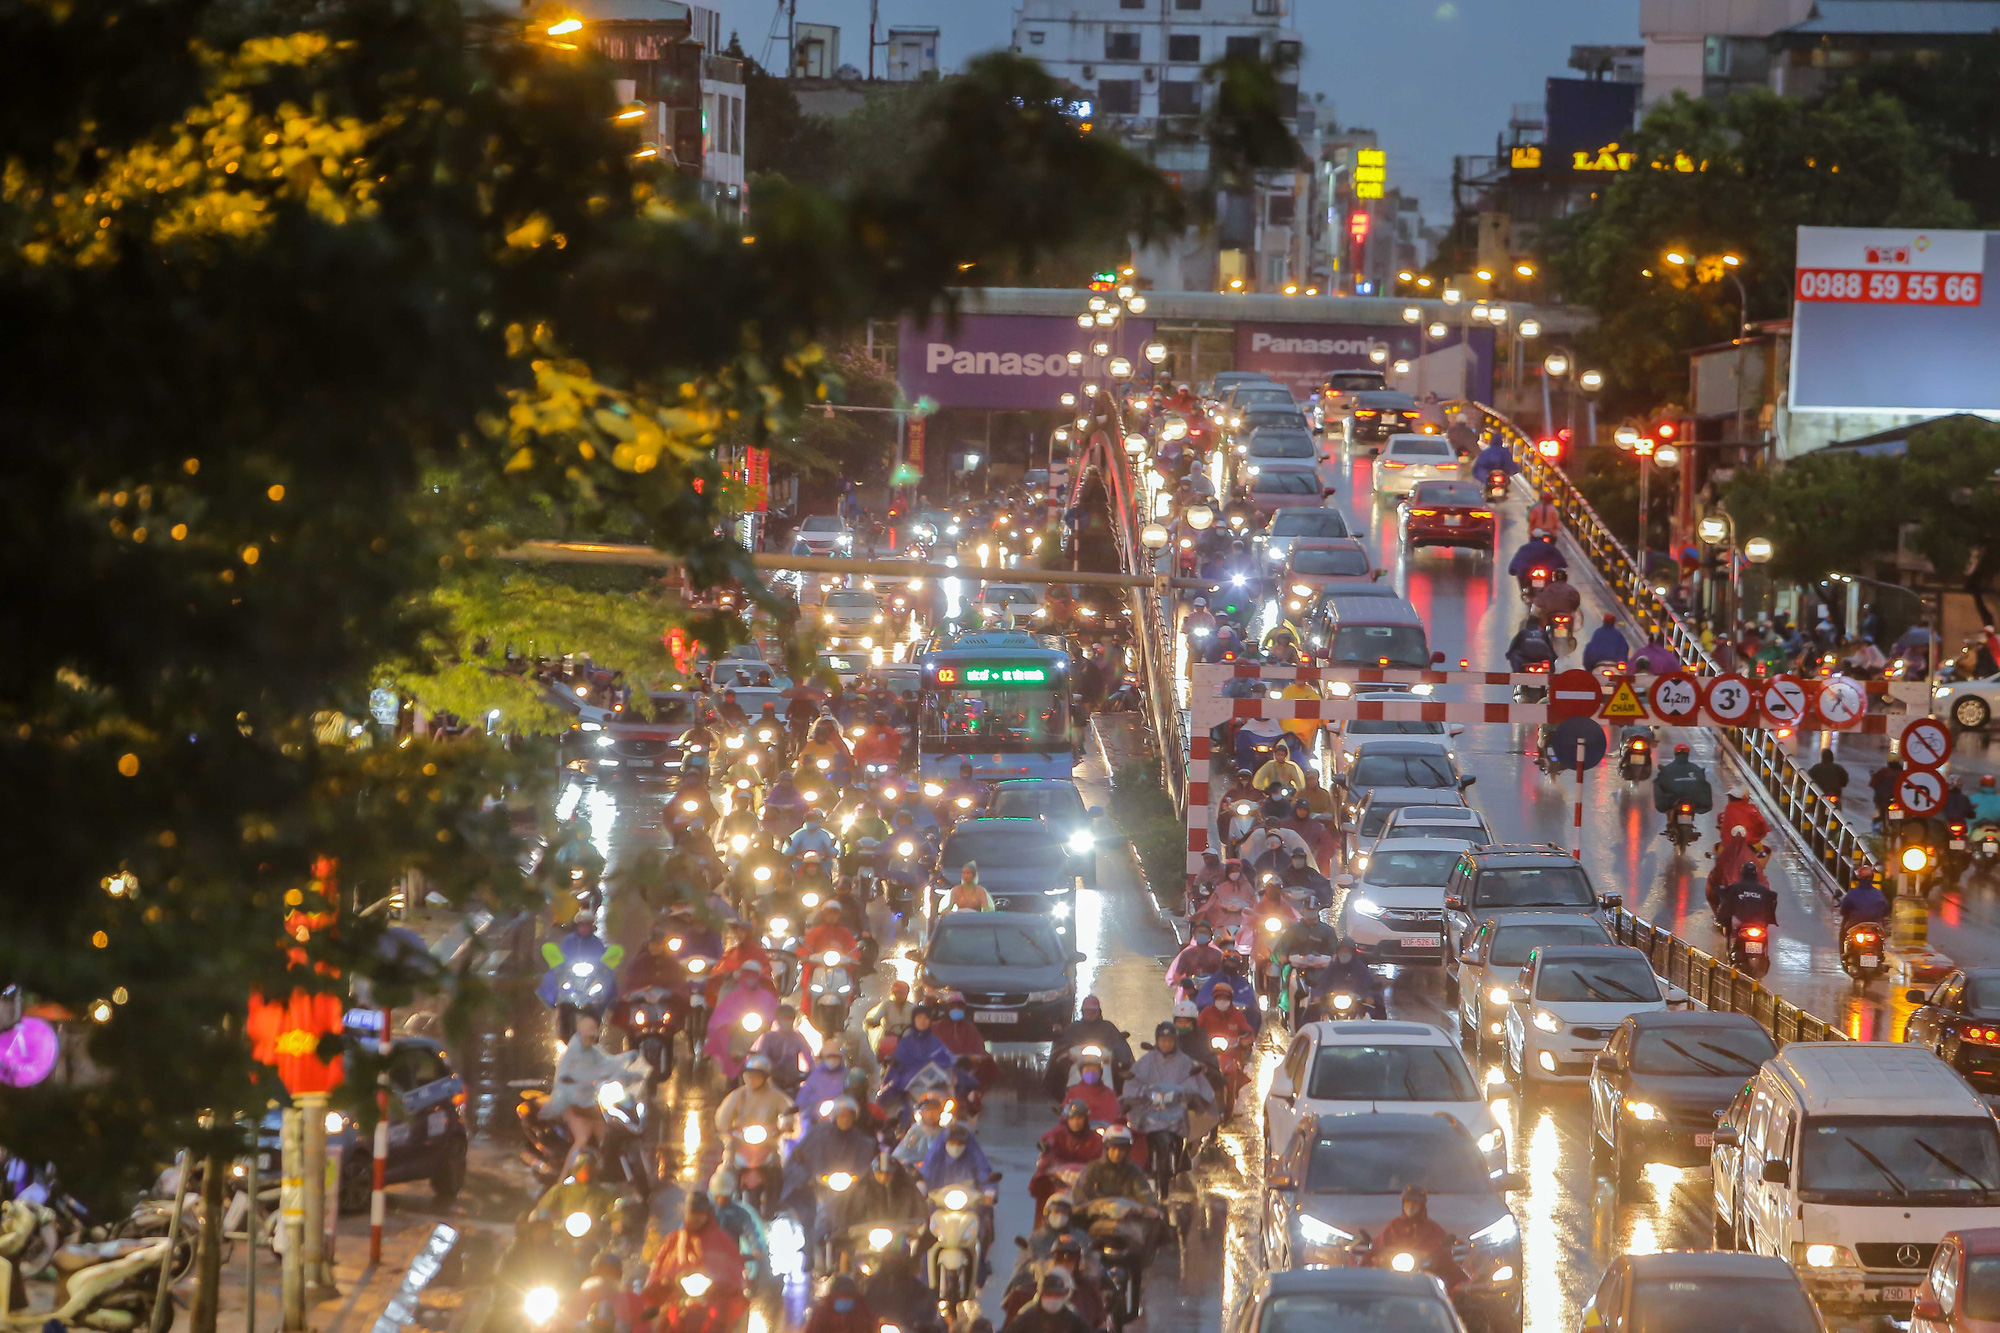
[699, 1245]
[1864, 902]
[1094, 1029]
[960, 1035]
[1957, 807]
[1543, 514]
[1656, 657]
[1300, 877]
[730, 710]
[1681, 779]
[1606, 645]
[1093, 1089]
[1065, 1260]
[891, 1016]
[785, 807]
[1308, 937]
[1531, 643]
[926, 1128]
[1495, 457]
[1113, 1176]
[1199, 623]
[1231, 985]
[1538, 552]
[868, 824]
[1348, 972]
[1749, 901]
[736, 1217]
[1319, 842]
[1224, 1015]
[842, 1309]
[1197, 959]
[583, 1067]
[753, 1102]
[1050, 1311]
[890, 1194]
[1229, 906]
[1165, 1069]
[1071, 1141]
[917, 1048]
[812, 835]
[1279, 770]
[1986, 801]
[1414, 1232]
[825, 1085]
[1319, 802]
[1243, 789]
[1829, 774]
[578, 1192]
[654, 966]
[789, 1052]
[898, 1295]
[838, 1143]
[882, 745]
[969, 895]
[964, 785]
[828, 935]
[1058, 1210]
[1558, 597]
[1739, 811]
[957, 1159]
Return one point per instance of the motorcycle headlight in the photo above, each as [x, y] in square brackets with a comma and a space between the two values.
[761, 874]
[755, 1134]
[1219, 1043]
[1503, 1232]
[697, 964]
[610, 1095]
[933, 789]
[956, 1200]
[779, 925]
[696, 1284]
[839, 1181]
[879, 1238]
[1082, 841]
[831, 958]
[1368, 907]
[752, 1022]
[1273, 924]
[1343, 1003]
[1302, 590]
[577, 1224]
[809, 899]
[1315, 1232]
[740, 842]
[540, 1304]
[1547, 1021]
[906, 849]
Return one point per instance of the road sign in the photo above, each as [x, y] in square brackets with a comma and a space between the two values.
[1840, 702]
[1566, 736]
[1926, 742]
[1676, 697]
[1624, 703]
[1922, 791]
[1574, 693]
[1731, 701]
[1783, 700]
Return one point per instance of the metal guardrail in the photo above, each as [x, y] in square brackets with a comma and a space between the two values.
[1714, 984]
[1836, 844]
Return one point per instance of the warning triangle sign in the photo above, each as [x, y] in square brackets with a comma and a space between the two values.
[1624, 702]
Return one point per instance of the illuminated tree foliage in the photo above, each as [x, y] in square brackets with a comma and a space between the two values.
[313, 307]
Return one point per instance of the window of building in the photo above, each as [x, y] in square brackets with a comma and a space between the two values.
[1274, 272]
[736, 125]
[1280, 211]
[1035, 38]
[1267, 8]
[1185, 47]
[1288, 100]
[1131, 4]
[1187, 4]
[1246, 48]
[1118, 97]
[1121, 46]
[1180, 99]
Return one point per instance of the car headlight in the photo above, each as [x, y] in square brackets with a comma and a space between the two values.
[1824, 1256]
[1302, 590]
[1502, 1232]
[1044, 996]
[1642, 1110]
[540, 1304]
[605, 742]
[1497, 995]
[1547, 1021]
[1060, 911]
[1490, 1141]
[1361, 859]
[1367, 907]
[1315, 1232]
[1082, 841]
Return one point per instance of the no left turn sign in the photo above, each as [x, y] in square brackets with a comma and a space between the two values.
[1676, 698]
[1926, 743]
[1784, 700]
[1731, 701]
[1840, 703]
[1921, 792]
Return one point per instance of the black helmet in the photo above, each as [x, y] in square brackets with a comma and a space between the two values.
[1165, 1028]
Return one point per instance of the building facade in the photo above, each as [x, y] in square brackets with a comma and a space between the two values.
[690, 99]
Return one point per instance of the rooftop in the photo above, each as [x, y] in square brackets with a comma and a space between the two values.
[1898, 18]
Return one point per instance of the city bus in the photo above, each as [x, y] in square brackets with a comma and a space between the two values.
[999, 700]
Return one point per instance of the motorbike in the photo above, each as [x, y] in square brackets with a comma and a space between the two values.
[755, 1157]
[957, 1254]
[702, 1307]
[1063, 1061]
[622, 1152]
[1342, 1004]
[109, 1285]
[834, 1199]
[1298, 986]
[781, 942]
[1496, 485]
[1635, 759]
[1750, 948]
[1162, 1118]
[1123, 1232]
[1232, 1059]
[1533, 694]
[1562, 630]
[652, 1017]
[1536, 579]
[1681, 831]
[1957, 858]
[1862, 955]
[832, 993]
[583, 984]
[1985, 849]
[1440, 1264]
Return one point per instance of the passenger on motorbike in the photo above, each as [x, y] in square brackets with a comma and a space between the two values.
[1232, 985]
[842, 1309]
[1606, 646]
[1681, 779]
[812, 836]
[1739, 811]
[1747, 902]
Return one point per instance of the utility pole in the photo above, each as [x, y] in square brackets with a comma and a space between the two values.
[874, 10]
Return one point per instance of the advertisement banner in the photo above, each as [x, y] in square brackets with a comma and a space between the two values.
[1300, 355]
[1894, 319]
[1003, 362]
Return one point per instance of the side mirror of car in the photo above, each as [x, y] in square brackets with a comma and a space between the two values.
[1466, 781]
[1281, 1086]
[1776, 1173]
[1437, 659]
[1675, 995]
[1076, 956]
[1611, 902]
[1343, 881]
[1282, 1184]
[1454, 729]
[1916, 995]
[1725, 1135]
[1509, 1181]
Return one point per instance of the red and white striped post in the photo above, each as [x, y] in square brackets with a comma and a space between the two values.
[378, 1198]
[1577, 823]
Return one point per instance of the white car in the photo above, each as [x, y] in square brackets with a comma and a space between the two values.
[1490, 962]
[1359, 1066]
[823, 534]
[854, 615]
[1459, 823]
[994, 599]
[1353, 734]
[1567, 1002]
[1409, 459]
[1970, 704]
[1394, 910]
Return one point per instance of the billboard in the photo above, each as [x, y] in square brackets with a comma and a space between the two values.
[1002, 362]
[1895, 319]
[1582, 118]
[1300, 355]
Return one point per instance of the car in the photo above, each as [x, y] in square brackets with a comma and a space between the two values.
[1959, 1018]
[854, 616]
[1242, 424]
[1457, 823]
[1514, 877]
[1342, 1178]
[1409, 459]
[1035, 485]
[845, 667]
[1398, 765]
[1695, 1291]
[1970, 704]
[1489, 962]
[1447, 513]
[1336, 398]
[427, 1133]
[1345, 737]
[1023, 864]
[1394, 910]
[1661, 1084]
[1218, 388]
[1344, 1300]
[994, 599]
[1018, 976]
[1282, 444]
[1293, 522]
[1366, 826]
[1270, 487]
[1319, 565]
[1059, 805]
[1357, 626]
[1376, 414]
[1363, 1066]
[1566, 1003]
[822, 534]
[1961, 1291]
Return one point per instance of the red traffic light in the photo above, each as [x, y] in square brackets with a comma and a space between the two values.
[1665, 430]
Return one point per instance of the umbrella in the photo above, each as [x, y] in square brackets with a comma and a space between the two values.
[1913, 636]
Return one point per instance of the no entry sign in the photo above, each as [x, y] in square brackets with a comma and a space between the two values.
[1574, 693]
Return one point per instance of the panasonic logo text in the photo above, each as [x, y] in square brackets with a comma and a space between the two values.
[944, 359]
[1277, 346]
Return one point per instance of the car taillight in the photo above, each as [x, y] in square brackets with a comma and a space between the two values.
[1423, 513]
[1987, 1036]
[1364, 412]
[1482, 513]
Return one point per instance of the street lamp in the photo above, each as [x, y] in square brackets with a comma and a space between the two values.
[1758, 550]
[1135, 444]
[1590, 381]
[1153, 537]
[1625, 437]
[1401, 367]
[1713, 529]
[1156, 352]
[1068, 399]
[1667, 456]
[1531, 328]
[1451, 296]
[1730, 264]
[1524, 270]
[1484, 275]
[1199, 517]
[1121, 369]
[1411, 314]
[1556, 364]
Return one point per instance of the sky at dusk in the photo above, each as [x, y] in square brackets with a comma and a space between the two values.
[1433, 77]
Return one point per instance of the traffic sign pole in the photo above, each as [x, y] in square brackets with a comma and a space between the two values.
[1576, 825]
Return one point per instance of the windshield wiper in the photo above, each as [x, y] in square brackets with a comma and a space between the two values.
[1726, 1053]
[1881, 1166]
[1613, 982]
[1954, 1166]
[1693, 1058]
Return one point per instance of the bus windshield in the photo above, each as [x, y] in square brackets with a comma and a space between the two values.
[1004, 720]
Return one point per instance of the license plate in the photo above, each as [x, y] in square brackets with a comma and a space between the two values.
[1870, 959]
[699, 1000]
[1453, 521]
[435, 1125]
[1958, 844]
[1000, 1016]
[1753, 946]
[1898, 1294]
[1420, 941]
[1704, 1140]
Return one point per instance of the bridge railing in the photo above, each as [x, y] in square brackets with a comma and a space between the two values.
[1836, 844]
[1714, 984]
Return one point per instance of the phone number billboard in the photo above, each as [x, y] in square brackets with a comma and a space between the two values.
[1894, 319]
